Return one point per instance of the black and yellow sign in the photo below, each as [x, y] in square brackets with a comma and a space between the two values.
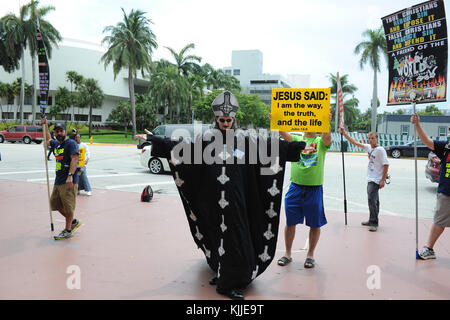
[81, 157]
[302, 110]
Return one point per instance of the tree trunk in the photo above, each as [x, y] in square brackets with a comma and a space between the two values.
[22, 87]
[33, 103]
[132, 102]
[374, 103]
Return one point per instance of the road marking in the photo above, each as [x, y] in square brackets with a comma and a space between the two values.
[362, 205]
[139, 184]
[94, 176]
[20, 172]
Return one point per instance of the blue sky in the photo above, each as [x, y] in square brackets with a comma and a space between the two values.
[314, 37]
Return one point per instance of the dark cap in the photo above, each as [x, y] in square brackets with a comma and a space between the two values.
[60, 125]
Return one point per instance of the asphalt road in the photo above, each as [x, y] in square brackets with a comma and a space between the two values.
[119, 168]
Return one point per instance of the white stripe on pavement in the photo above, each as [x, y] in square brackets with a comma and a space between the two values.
[361, 205]
[94, 176]
[139, 184]
[20, 172]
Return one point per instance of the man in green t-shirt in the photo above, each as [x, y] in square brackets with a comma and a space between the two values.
[305, 196]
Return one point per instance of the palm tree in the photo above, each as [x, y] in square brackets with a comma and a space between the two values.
[9, 52]
[21, 31]
[50, 36]
[167, 88]
[195, 89]
[346, 86]
[130, 45]
[371, 50]
[185, 62]
[15, 35]
[74, 78]
[91, 95]
[351, 113]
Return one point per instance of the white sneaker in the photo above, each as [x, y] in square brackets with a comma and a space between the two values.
[89, 193]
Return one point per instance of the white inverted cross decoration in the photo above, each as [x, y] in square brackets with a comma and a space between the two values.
[223, 178]
[222, 225]
[221, 249]
[178, 181]
[192, 216]
[268, 234]
[255, 272]
[207, 252]
[271, 213]
[276, 166]
[198, 234]
[274, 190]
[264, 256]
[218, 271]
[222, 202]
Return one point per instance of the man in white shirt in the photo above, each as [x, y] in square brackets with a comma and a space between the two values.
[377, 171]
[83, 183]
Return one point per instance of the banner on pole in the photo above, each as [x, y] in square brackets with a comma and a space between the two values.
[340, 100]
[417, 52]
[301, 110]
[44, 72]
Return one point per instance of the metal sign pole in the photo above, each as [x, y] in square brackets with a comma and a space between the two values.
[413, 96]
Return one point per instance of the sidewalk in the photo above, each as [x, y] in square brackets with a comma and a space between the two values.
[127, 249]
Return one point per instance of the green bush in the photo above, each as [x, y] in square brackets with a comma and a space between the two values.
[6, 125]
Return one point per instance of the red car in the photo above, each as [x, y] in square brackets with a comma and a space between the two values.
[432, 167]
[26, 134]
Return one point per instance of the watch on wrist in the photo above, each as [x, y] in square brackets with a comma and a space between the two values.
[70, 174]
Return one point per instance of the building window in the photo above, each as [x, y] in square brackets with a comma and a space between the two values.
[236, 72]
[25, 115]
[63, 116]
[7, 115]
[96, 118]
[227, 71]
[404, 130]
[81, 117]
[263, 81]
[260, 91]
[28, 100]
[442, 131]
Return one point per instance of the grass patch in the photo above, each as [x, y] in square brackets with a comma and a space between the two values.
[114, 138]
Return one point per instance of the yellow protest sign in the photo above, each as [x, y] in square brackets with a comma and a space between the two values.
[81, 156]
[303, 110]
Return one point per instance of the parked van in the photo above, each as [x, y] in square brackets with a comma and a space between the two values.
[23, 133]
[159, 165]
[167, 130]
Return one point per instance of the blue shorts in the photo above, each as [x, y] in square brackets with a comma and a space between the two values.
[305, 202]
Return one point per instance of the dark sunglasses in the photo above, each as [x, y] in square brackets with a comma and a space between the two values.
[227, 120]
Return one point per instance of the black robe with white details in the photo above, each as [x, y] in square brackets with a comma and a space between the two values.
[233, 209]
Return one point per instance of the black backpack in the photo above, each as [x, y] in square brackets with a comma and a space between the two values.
[147, 194]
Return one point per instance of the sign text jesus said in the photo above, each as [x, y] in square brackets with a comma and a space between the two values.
[303, 110]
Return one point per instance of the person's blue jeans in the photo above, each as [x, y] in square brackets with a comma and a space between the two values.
[83, 182]
[374, 202]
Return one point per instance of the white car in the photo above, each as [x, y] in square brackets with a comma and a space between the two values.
[155, 164]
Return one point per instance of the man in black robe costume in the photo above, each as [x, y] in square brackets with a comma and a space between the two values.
[232, 205]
